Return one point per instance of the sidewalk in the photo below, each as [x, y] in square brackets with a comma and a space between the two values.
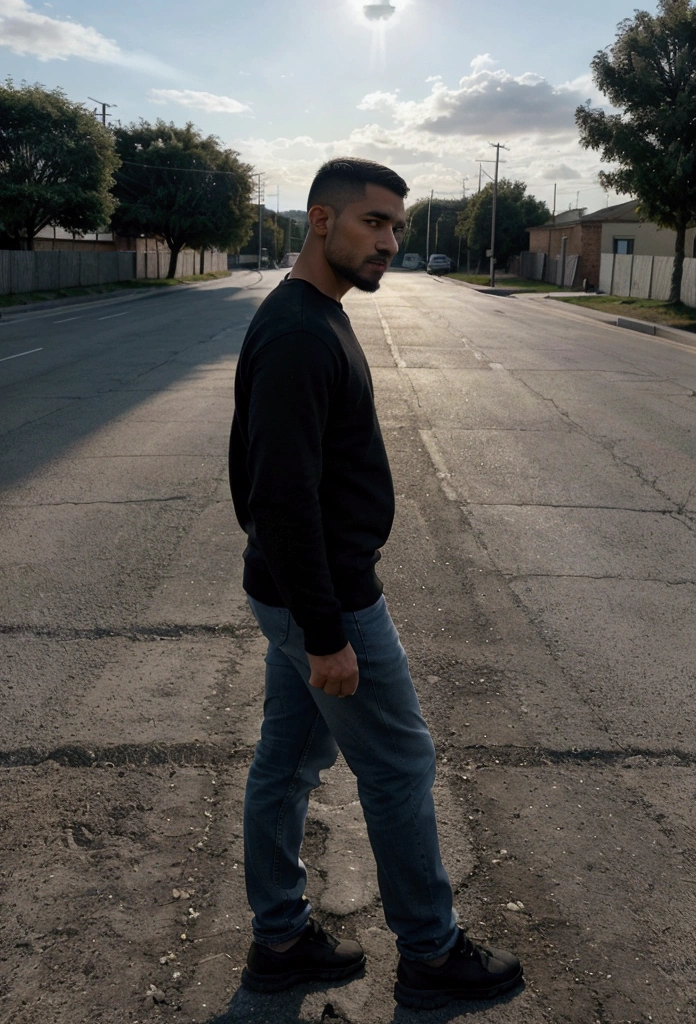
[109, 298]
[629, 323]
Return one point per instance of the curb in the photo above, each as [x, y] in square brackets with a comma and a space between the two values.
[639, 326]
[108, 298]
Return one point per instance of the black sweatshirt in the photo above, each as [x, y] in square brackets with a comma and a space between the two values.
[308, 470]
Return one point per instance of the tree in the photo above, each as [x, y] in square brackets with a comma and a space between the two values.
[183, 187]
[515, 212]
[56, 164]
[272, 234]
[443, 223]
[649, 75]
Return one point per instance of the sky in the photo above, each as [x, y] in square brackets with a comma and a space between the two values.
[424, 89]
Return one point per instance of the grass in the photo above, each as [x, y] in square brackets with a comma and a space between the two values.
[521, 284]
[669, 314]
[25, 298]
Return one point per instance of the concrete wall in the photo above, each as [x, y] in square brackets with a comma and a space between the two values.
[646, 277]
[688, 290]
[22, 272]
[623, 266]
[52, 270]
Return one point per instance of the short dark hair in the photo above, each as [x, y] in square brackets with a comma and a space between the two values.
[343, 180]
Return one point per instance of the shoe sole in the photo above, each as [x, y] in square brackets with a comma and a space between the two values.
[280, 982]
[432, 999]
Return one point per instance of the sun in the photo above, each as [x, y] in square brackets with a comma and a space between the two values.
[378, 10]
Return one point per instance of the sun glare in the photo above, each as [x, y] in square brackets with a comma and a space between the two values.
[376, 15]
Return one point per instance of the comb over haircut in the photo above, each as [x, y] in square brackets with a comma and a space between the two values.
[343, 180]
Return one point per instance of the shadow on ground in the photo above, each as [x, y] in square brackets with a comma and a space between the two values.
[287, 1008]
[103, 373]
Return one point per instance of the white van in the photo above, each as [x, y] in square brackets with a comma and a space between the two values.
[413, 261]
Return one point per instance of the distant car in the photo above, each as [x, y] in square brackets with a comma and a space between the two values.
[288, 259]
[413, 261]
[439, 264]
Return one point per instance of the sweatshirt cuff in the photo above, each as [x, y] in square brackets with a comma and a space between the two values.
[325, 636]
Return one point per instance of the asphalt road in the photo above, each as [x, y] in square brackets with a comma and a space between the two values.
[541, 572]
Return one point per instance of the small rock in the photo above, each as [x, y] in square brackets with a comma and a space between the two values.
[515, 907]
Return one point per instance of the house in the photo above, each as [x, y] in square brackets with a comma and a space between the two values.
[614, 230]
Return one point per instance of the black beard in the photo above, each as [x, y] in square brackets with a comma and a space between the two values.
[349, 274]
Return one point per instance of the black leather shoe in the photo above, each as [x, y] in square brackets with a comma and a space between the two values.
[470, 972]
[316, 956]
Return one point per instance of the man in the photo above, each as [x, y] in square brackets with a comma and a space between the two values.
[312, 490]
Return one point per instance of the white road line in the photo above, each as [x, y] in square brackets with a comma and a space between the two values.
[18, 354]
[67, 321]
[438, 461]
[396, 355]
[112, 316]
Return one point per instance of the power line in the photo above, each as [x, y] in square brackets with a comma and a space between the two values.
[190, 170]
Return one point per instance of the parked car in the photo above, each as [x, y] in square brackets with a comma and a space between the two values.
[288, 259]
[439, 264]
[413, 261]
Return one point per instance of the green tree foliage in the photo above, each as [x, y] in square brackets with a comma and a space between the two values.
[443, 223]
[181, 186]
[56, 164]
[272, 234]
[649, 75]
[515, 212]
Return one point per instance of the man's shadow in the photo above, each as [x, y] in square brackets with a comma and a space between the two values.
[286, 1008]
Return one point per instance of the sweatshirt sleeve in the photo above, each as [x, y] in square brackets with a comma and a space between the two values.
[290, 383]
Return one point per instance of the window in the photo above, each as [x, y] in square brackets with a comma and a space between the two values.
[623, 246]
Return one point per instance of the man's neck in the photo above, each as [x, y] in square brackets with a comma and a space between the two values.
[321, 276]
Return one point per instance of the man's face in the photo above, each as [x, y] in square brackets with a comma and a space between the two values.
[364, 238]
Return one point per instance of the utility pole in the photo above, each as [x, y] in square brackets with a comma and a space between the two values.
[497, 146]
[259, 186]
[427, 235]
[275, 233]
[551, 235]
[104, 107]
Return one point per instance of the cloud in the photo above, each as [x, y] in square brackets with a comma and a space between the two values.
[437, 139]
[562, 172]
[483, 61]
[491, 102]
[27, 33]
[379, 101]
[206, 101]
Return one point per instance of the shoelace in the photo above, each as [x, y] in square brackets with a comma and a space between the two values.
[320, 935]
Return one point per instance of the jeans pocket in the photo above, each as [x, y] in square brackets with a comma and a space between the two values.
[274, 623]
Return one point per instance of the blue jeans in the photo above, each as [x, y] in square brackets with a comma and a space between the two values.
[381, 733]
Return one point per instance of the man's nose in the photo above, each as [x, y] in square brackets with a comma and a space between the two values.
[388, 242]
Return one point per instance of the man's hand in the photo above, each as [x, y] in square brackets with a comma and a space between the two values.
[335, 674]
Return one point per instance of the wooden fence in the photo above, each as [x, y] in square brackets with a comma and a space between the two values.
[52, 271]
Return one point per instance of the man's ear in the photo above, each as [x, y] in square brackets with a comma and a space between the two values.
[319, 219]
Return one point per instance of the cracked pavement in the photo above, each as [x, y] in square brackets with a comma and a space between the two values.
[541, 573]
